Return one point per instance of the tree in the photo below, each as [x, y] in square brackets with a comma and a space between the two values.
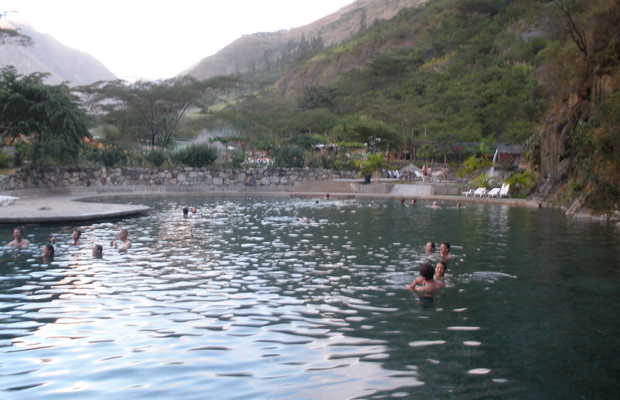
[150, 112]
[48, 113]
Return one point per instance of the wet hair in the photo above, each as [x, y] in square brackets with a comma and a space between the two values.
[445, 265]
[427, 271]
[432, 245]
[98, 250]
[79, 233]
[50, 250]
[447, 244]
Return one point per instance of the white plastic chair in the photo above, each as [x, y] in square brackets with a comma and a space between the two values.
[503, 192]
[468, 193]
[494, 192]
[480, 192]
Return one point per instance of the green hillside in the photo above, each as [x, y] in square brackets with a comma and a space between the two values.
[454, 71]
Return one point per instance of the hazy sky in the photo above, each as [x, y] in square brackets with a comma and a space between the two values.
[154, 39]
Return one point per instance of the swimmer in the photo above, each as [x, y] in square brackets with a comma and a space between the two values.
[435, 205]
[440, 270]
[427, 286]
[194, 210]
[402, 201]
[444, 251]
[97, 251]
[327, 196]
[123, 243]
[48, 253]
[18, 240]
[75, 235]
[185, 212]
[413, 201]
[429, 248]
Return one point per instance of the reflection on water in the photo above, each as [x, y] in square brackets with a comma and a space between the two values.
[281, 299]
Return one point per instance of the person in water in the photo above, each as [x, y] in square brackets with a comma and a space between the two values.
[435, 205]
[429, 248]
[123, 243]
[185, 212]
[48, 253]
[440, 270]
[444, 251]
[97, 251]
[75, 236]
[427, 286]
[18, 239]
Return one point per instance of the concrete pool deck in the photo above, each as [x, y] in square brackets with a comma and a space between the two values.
[52, 208]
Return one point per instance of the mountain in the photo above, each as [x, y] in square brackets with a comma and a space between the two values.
[260, 50]
[47, 54]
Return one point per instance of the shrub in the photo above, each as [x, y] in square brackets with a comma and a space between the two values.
[109, 156]
[473, 164]
[5, 160]
[196, 156]
[482, 180]
[522, 183]
[237, 158]
[289, 157]
[156, 157]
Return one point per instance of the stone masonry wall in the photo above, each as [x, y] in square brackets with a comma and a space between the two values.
[153, 179]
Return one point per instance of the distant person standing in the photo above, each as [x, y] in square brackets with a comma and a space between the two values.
[18, 239]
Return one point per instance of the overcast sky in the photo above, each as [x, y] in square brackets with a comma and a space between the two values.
[154, 39]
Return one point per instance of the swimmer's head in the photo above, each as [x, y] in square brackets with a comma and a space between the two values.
[427, 271]
[440, 269]
[430, 247]
[48, 251]
[123, 234]
[17, 233]
[97, 251]
[444, 248]
[185, 211]
[76, 234]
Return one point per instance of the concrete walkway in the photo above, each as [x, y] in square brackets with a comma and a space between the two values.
[51, 208]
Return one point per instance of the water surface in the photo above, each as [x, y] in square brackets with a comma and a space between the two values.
[285, 298]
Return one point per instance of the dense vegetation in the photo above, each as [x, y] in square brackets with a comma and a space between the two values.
[452, 73]
[468, 77]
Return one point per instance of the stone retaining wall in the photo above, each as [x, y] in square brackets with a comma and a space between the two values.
[152, 179]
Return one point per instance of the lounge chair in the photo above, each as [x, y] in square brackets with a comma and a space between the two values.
[468, 193]
[503, 192]
[480, 192]
[494, 192]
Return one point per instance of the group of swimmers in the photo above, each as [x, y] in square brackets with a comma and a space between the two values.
[431, 279]
[48, 251]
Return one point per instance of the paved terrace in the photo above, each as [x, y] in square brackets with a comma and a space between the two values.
[54, 208]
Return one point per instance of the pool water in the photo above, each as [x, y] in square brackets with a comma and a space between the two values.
[294, 299]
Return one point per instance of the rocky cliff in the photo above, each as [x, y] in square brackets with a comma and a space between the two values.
[46, 54]
[259, 49]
